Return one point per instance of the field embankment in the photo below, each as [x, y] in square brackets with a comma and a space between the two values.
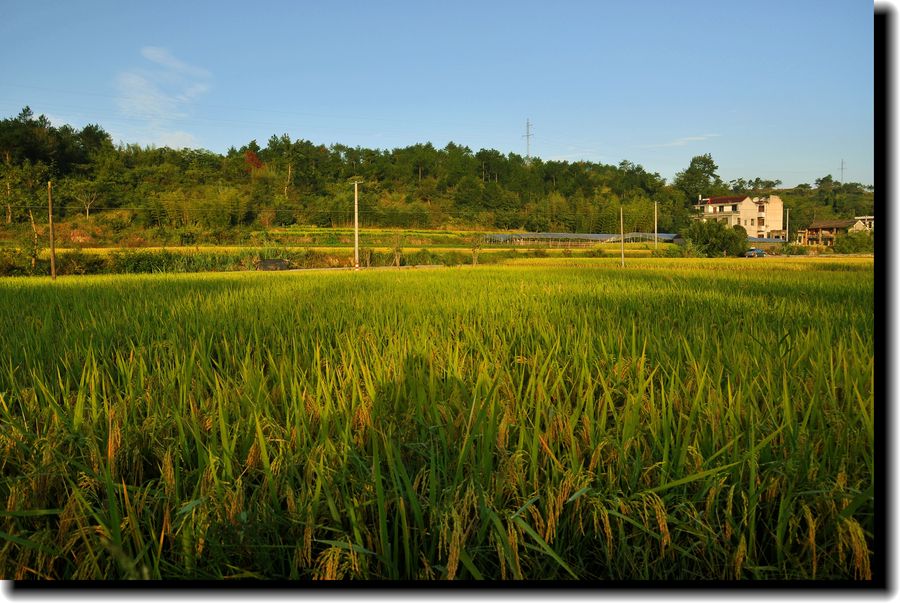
[100, 260]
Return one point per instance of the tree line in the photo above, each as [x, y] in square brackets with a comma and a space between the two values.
[296, 181]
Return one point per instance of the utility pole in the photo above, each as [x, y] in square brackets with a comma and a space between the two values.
[527, 138]
[288, 181]
[356, 224]
[787, 230]
[622, 233]
[842, 172]
[8, 192]
[655, 229]
[52, 243]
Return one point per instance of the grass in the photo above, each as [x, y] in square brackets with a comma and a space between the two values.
[679, 419]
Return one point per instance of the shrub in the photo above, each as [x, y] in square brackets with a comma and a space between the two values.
[419, 258]
[855, 242]
[116, 220]
[133, 262]
[78, 262]
[794, 249]
[684, 250]
[14, 263]
[457, 258]
[188, 235]
[715, 239]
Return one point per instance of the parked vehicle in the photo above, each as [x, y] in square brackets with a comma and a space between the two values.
[755, 252]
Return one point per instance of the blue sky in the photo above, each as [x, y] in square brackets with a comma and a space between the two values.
[779, 90]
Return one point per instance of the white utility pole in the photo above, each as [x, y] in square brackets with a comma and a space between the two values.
[655, 229]
[622, 233]
[356, 225]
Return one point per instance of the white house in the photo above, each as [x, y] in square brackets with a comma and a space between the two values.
[759, 216]
[866, 223]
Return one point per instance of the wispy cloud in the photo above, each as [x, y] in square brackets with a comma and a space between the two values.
[163, 57]
[680, 142]
[178, 140]
[141, 97]
[156, 95]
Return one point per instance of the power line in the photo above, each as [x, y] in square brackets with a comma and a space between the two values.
[200, 105]
[348, 212]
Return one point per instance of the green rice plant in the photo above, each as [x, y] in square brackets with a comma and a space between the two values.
[547, 418]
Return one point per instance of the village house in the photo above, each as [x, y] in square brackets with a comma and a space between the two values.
[866, 223]
[759, 216]
[824, 232]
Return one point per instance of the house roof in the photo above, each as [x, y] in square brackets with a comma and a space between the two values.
[832, 224]
[717, 200]
[502, 237]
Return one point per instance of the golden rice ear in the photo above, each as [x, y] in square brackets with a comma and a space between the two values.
[739, 557]
[512, 532]
[113, 440]
[811, 536]
[607, 530]
[861, 555]
[659, 511]
[168, 473]
[328, 564]
[253, 456]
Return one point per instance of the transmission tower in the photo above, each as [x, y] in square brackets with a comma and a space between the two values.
[527, 138]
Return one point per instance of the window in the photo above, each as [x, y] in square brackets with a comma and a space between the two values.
[762, 221]
[751, 221]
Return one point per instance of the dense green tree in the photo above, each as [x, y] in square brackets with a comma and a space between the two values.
[715, 239]
[699, 179]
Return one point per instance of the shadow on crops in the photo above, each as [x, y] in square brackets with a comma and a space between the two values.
[418, 396]
[419, 415]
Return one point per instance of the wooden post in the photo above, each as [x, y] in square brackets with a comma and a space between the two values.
[356, 225]
[52, 242]
[8, 191]
[34, 240]
[622, 233]
[655, 228]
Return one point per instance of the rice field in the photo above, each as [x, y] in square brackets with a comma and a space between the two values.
[547, 419]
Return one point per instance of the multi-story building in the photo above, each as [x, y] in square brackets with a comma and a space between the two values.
[759, 216]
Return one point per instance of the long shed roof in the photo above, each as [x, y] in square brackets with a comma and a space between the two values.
[832, 223]
[601, 237]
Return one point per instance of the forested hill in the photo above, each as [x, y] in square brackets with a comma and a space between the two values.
[298, 181]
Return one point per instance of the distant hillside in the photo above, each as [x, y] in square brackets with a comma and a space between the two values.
[300, 182]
